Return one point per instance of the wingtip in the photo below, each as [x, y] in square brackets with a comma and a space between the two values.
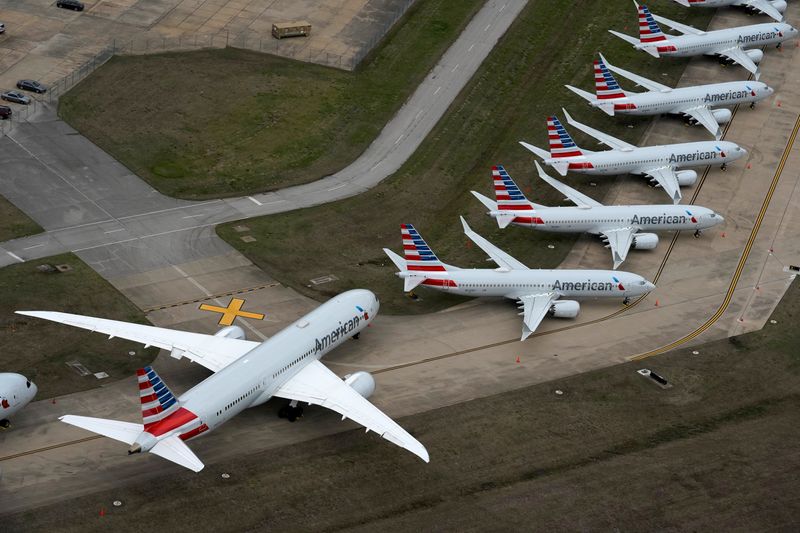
[464, 224]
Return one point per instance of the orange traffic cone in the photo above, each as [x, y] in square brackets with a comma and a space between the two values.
[656, 303]
[517, 359]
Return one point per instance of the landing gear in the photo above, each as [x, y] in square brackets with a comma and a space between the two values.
[291, 411]
[355, 337]
[724, 167]
[752, 105]
[697, 234]
[626, 301]
[779, 46]
[5, 423]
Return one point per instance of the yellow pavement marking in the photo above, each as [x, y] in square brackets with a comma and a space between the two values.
[229, 313]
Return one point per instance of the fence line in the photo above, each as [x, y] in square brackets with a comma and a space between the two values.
[296, 48]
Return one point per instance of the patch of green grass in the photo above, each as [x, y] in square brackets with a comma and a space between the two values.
[229, 122]
[14, 223]
[717, 451]
[40, 349]
[508, 99]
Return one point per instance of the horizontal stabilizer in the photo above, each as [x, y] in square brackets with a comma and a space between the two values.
[398, 261]
[113, 429]
[175, 450]
[633, 40]
[411, 282]
[536, 150]
[589, 97]
[607, 108]
[490, 204]
[504, 219]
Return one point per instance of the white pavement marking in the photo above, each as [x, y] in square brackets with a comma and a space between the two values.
[397, 141]
[34, 246]
[439, 88]
[502, 8]
[273, 203]
[339, 186]
[471, 47]
[114, 230]
[15, 256]
[254, 200]
[487, 27]
[195, 216]
[455, 67]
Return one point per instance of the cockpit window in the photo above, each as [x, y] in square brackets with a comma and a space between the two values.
[712, 215]
[28, 384]
[642, 282]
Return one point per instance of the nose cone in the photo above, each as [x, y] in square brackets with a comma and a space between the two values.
[33, 390]
[649, 286]
[733, 151]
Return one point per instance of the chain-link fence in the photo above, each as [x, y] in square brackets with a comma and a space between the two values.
[294, 48]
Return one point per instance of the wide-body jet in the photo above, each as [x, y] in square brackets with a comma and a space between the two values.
[772, 8]
[16, 391]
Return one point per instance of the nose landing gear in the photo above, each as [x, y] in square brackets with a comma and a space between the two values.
[626, 301]
[697, 234]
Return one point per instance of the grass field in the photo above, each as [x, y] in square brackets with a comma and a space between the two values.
[508, 99]
[14, 223]
[39, 349]
[230, 122]
[716, 452]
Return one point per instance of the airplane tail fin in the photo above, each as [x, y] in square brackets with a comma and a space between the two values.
[157, 400]
[605, 85]
[561, 144]
[418, 255]
[649, 30]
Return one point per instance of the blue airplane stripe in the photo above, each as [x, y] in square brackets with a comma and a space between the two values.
[168, 404]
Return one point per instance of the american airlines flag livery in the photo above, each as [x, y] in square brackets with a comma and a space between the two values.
[622, 227]
[246, 374]
[537, 292]
[699, 103]
[771, 8]
[738, 45]
[662, 164]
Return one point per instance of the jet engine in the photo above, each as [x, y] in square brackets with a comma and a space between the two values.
[780, 5]
[231, 332]
[722, 115]
[686, 178]
[361, 382]
[645, 241]
[565, 309]
[755, 55]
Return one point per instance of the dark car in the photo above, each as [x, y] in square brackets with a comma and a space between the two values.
[5, 111]
[31, 85]
[70, 4]
[16, 96]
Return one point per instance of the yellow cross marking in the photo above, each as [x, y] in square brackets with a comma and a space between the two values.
[229, 313]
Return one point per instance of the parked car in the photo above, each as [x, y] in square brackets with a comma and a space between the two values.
[16, 96]
[5, 111]
[2, 28]
[31, 85]
[70, 4]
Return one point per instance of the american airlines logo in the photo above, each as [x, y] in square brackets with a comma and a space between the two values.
[583, 286]
[338, 333]
[660, 219]
[756, 37]
[730, 95]
[697, 156]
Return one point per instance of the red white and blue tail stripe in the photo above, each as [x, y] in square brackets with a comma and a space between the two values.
[508, 194]
[605, 85]
[419, 256]
[157, 400]
[649, 30]
[561, 144]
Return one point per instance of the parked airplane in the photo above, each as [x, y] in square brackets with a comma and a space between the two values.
[247, 374]
[729, 44]
[660, 163]
[536, 291]
[16, 391]
[772, 8]
[694, 102]
[622, 227]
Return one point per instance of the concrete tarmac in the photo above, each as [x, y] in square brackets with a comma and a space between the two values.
[423, 362]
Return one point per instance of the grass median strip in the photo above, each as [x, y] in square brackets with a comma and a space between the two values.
[517, 87]
[14, 223]
[230, 122]
[41, 350]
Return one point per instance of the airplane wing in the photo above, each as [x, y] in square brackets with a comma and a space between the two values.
[576, 197]
[738, 55]
[534, 308]
[502, 259]
[620, 240]
[650, 85]
[613, 142]
[214, 353]
[317, 385]
[683, 28]
[704, 116]
[665, 176]
[764, 6]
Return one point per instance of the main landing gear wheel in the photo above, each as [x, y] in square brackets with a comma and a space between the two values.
[291, 411]
[5, 424]
[697, 234]
[355, 337]
[724, 167]
[626, 301]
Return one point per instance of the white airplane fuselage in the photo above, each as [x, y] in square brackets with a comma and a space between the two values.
[579, 284]
[638, 160]
[253, 378]
[711, 42]
[595, 219]
[780, 5]
[16, 391]
[677, 100]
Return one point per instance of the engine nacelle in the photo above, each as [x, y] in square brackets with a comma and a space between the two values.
[723, 116]
[780, 5]
[565, 309]
[231, 332]
[686, 178]
[361, 382]
[645, 241]
[755, 55]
